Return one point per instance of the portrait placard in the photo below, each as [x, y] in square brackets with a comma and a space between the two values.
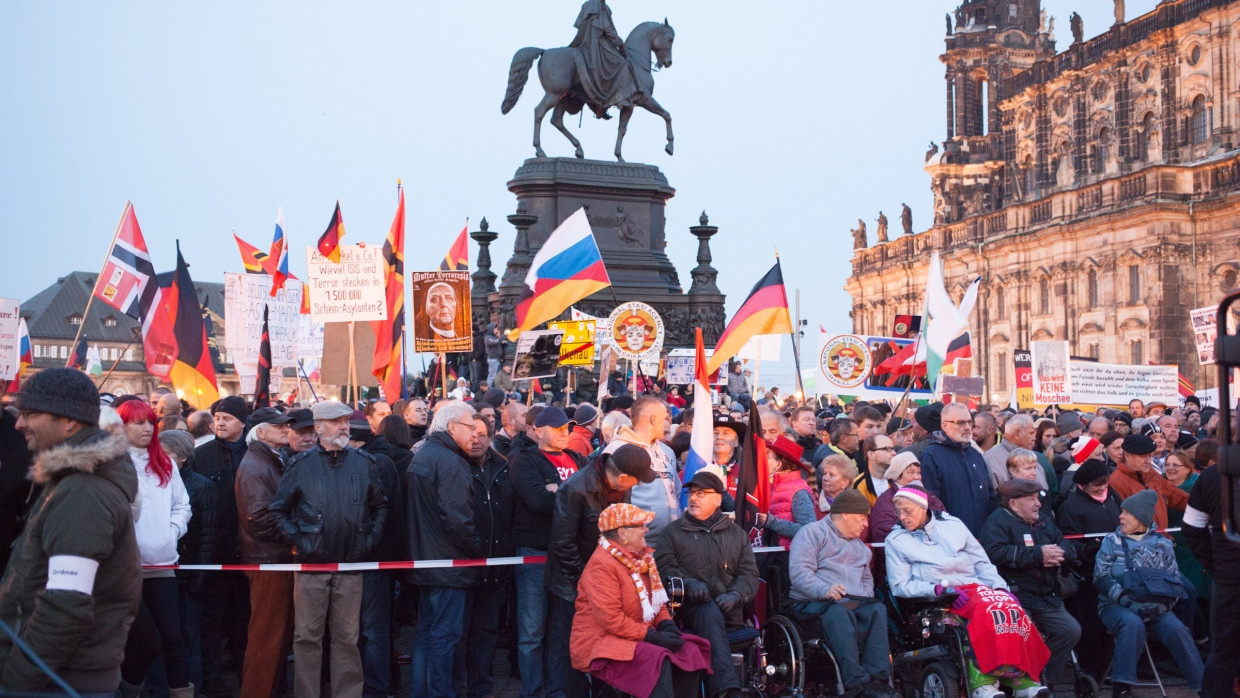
[538, 354]
[441, 311]
[636, 331]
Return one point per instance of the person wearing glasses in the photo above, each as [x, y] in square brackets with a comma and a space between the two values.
[955, 471]
[878, 450]
[439, 502]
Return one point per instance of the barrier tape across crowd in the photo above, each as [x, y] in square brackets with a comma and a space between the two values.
[433, 564]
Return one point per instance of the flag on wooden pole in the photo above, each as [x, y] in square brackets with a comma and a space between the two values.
[389, 334]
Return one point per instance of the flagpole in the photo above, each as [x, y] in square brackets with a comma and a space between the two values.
[352, 369]
[116, 363]
[302, 366]
[796, 355]
[108, 255]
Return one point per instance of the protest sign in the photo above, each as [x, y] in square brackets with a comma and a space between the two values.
[309, 339]
[335, 366]
[577, 348]
[1023, 360]
[441, 311]
[764, 347]
[351, 291]
[636, 331]
[538, 354]
[1113, 384]
[1205, 330]
[855, 365]
[1052, 383]
[245, 296]
[10, 340]
[679, 367]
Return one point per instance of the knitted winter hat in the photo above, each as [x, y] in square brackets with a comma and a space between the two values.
[1141, 505]
[64, 392]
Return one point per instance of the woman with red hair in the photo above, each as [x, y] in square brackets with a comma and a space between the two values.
[160, 523]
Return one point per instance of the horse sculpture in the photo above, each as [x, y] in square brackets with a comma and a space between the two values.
[557, 71]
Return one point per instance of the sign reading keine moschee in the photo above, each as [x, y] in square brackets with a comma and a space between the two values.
[351, 291]
[857, 365]
[441, 311]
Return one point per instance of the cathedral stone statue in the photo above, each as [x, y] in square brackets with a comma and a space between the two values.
[948, 17]
[858, 234]
[906, 219]
[597, 69]
[1077, 25]
[882, 227]
[1119, 11]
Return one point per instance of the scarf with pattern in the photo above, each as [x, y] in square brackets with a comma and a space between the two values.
[652, 599]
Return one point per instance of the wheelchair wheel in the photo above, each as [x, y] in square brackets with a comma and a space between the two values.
[937, 682]
[783, 670]
[1085, 686]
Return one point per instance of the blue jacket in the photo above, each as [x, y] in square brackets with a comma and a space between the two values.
[1150, 550]
[957, 474]
[941, 551]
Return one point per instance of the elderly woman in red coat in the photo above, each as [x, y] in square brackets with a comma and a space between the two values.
[622, 631]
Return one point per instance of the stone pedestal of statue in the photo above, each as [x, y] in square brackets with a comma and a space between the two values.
[625, 205]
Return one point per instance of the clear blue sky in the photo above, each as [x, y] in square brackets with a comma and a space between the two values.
[792, 120]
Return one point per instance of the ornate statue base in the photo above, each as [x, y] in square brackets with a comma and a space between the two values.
[625, 205]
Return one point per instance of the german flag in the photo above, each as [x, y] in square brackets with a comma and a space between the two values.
[329, 241]
[193, 373]
[253, 259]
[262, 383]
[765, 311]
[457, 258]
[388, 365]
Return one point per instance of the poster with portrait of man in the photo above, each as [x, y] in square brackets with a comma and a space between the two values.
[441, 311]
[636, 331]
[538, 354]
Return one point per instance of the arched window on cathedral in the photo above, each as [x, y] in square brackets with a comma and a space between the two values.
[1102, 150]
[1093, 288]
[1000, 305]
[1198, 125]
[1138, 353]
[1044, 296]
[1147, 143]
[1029, 180]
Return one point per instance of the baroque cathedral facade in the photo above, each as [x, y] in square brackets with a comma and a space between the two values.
[1095, 190]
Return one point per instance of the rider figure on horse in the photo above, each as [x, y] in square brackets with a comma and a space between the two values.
[603, 66]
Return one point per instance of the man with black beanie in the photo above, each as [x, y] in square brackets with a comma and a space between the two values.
[227, 608]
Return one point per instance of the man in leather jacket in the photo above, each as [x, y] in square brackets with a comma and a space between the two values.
[330, 507]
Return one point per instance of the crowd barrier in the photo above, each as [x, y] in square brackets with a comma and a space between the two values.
[431, 564]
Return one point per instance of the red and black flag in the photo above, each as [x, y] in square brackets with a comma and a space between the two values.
[457, 258]
[329, 241]
[78, 358]
[262, 384]
[753, 482]
[389, 361]
[193, 372]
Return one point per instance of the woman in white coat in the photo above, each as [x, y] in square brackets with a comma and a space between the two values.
[162, 519]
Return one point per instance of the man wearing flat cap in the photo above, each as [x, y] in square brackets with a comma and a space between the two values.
[271, 593]
[713, 556]
[330, 507]
[1135, 472]
[829, 567]
[1029, 551]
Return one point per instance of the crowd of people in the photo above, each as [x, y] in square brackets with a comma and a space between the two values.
[103, 496]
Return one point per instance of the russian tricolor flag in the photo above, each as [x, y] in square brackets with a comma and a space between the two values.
[279, 253]
[567, 268]
[702, 438]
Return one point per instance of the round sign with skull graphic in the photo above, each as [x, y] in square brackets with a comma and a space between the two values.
[636, 331]
[845, 361]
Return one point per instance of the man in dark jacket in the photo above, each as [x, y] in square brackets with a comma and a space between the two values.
[439, 504]
[574, 538]
[227, 609]
[375, 639]
[17, 492]
[926, 421]
[1090, 506]
[955, 471]
[1220, 558]
[330, 507]
[1025, 545]
[534, 469]
[493, 519]
[512, 425]
[271, 593]
[74, 580]
[713, 556]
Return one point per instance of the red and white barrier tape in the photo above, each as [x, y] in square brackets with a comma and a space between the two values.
[440, 564]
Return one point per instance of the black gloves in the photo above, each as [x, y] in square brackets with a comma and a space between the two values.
[668, 626]
[696, 592]
[665, 639]
[729, 601]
